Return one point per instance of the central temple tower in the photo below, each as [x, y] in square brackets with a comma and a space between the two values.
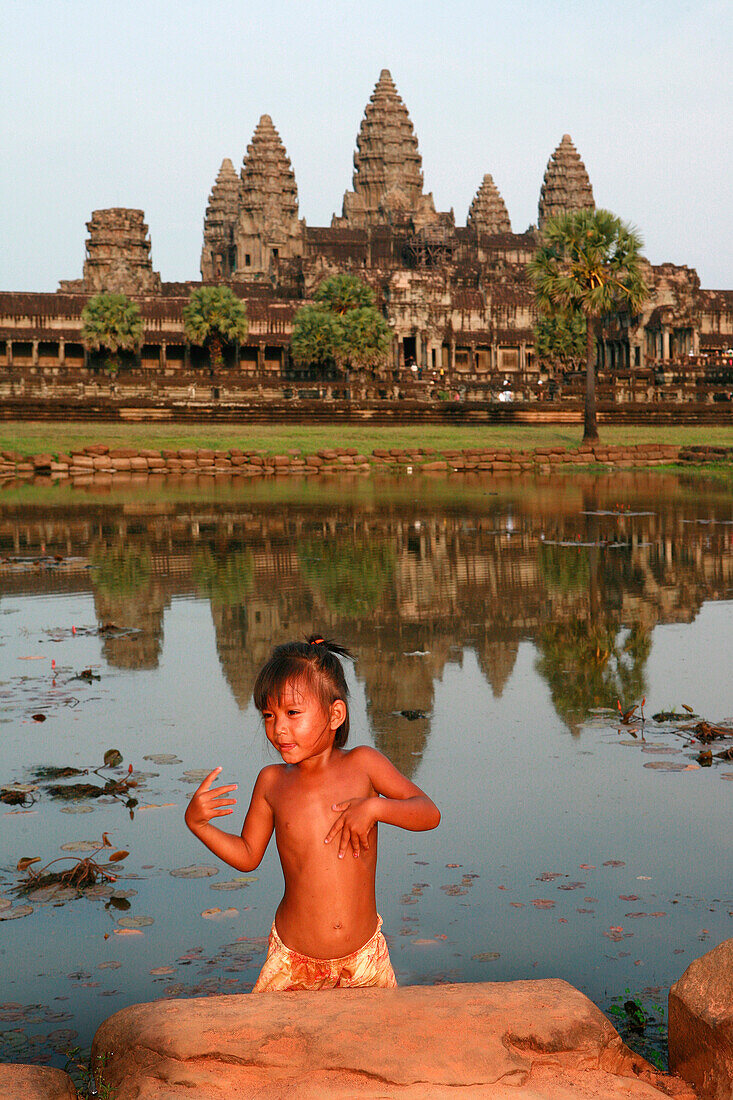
[388, 179]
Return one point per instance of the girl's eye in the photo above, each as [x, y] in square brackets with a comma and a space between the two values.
[293, 711]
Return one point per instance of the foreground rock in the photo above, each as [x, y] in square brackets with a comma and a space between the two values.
[541, 1040]
[35, 1083]
[701, 1024]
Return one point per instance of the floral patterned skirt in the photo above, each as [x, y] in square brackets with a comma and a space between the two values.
[288, 970]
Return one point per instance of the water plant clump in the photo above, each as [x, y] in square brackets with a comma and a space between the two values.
[642, 1025]
[84, 871]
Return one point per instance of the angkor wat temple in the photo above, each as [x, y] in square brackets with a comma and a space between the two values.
[457, 297]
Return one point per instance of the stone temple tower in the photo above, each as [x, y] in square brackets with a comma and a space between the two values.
[566, 185]
[388, 179]
[268, 228]
[219, 254]
[488, 213]
[118, 254]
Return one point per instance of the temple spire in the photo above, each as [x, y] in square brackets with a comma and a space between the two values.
[488, 212]
[388, 179]
[218, 259]
[268, 229]
[566, 185]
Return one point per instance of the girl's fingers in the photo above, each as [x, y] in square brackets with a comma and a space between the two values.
[206, 784]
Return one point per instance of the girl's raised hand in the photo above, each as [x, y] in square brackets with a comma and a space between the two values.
[207, 802]
[357, 817]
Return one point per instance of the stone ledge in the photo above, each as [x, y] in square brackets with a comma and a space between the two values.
[529, 1039]
[35, 1083]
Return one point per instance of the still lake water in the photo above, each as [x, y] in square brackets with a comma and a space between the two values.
[511, 615]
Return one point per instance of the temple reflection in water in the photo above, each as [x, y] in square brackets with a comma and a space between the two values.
[583, 570]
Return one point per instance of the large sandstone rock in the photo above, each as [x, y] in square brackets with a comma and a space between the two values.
[35, 1083]
[701, 1024]
[525, 1040]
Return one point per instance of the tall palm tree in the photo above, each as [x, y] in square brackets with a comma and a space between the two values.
[111, 323]
[213, 317]
[589, 261]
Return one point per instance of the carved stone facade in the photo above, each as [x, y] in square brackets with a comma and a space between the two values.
[488, 213]
[566, 185]
[388, 179]
[219, 255]
[118, 255]
[268, 229]
[457, 298]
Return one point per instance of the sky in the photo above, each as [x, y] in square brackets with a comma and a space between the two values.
[137, 103]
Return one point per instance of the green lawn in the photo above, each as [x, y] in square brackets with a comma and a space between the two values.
[34, 437]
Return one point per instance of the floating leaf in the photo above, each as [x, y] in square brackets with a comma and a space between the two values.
[5, 903]
[486, 956]
[117, 856]
[80, 846]
[128, 932]
[135, 922]
[163, 758]
[18, 911]
[543, 903]
[158, 970]
[617, 862]
[109, 964]
[112, 758]
[195, 870]
[238, 883]
[38, 717]
[77, 810]
[219, 914]
[666, 766]
[26, 862]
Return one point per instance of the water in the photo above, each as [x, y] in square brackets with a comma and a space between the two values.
[512, 616]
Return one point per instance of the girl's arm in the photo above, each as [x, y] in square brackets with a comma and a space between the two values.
[397, 801]
[243, 852]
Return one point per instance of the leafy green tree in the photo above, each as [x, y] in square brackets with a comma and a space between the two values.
[315, 336]
[343, 328]
[589, 261]
[341, 293]
[111, 323]
[560, 337]
[212, 317]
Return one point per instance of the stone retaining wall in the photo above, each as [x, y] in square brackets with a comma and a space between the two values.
[99, 461]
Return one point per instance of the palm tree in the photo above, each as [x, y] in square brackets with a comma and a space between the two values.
[588, 261]
[340, 293]
[315, 336]
[212, 317]
[559, 337]
[344, 327]
[111, 323]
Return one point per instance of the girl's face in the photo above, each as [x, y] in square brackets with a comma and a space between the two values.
[298, 726]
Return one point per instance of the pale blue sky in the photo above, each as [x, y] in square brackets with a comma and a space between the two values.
[136, 103]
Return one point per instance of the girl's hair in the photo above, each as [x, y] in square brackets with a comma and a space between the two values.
[312, 665]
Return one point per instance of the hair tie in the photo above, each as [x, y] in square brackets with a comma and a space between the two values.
[317, 641]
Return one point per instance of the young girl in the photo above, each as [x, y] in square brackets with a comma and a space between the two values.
[324, 803]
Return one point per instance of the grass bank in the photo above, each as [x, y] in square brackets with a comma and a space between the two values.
[37, 437]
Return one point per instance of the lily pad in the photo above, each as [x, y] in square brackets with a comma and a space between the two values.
[5, 903]
[234, 883]
[81, 846]
[77, 809]
[15, 912]
[195, 870]
[194, 775]
[487, 956]
[666, 766]
[135, 922]
[163, 758]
